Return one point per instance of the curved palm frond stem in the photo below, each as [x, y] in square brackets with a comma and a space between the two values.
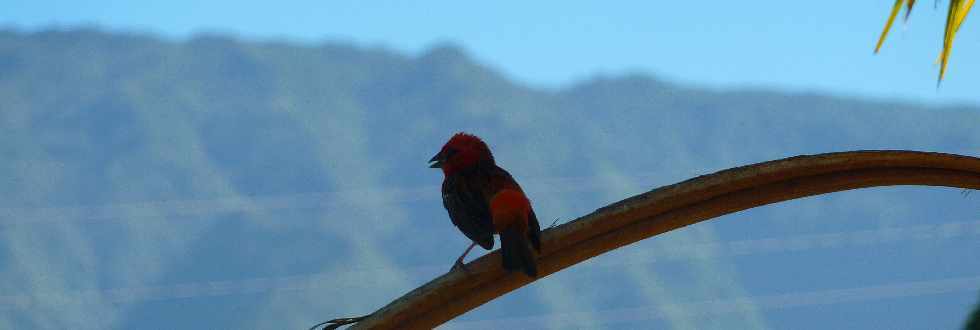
[672, 207]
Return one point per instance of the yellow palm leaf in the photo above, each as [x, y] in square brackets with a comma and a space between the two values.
[957, 22]
[957, 14]
[891, 19]
[962, 15]
[958, 9]
[908, 9]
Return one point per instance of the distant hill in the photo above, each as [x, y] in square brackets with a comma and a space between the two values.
[136, 144]
[87, 100]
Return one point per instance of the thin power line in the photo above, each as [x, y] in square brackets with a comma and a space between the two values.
[310, 201]
[733, 305]
[225, 205]
[345, 280]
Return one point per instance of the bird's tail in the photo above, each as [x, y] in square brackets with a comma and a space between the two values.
[516, 250]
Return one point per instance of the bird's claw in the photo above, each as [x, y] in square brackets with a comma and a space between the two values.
[460, 265]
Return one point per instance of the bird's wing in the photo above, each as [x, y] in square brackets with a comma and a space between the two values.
[505, 180]
[468, 209]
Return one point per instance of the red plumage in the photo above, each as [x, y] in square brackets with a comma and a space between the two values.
[483, 199]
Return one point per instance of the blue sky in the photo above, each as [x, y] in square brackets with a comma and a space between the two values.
[794, 45]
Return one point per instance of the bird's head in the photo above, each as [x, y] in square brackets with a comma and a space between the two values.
[461, 152]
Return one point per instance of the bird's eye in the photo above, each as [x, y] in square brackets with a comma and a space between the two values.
[450, 152]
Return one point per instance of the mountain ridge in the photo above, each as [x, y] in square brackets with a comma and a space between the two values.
[180, 135]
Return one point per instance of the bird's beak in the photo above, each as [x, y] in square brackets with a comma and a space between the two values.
[436, 161]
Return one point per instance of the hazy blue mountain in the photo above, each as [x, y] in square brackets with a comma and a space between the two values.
[216, 183]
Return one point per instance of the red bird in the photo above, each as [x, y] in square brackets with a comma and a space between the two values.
[483, 199]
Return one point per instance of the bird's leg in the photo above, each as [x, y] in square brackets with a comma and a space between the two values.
[459, 261]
